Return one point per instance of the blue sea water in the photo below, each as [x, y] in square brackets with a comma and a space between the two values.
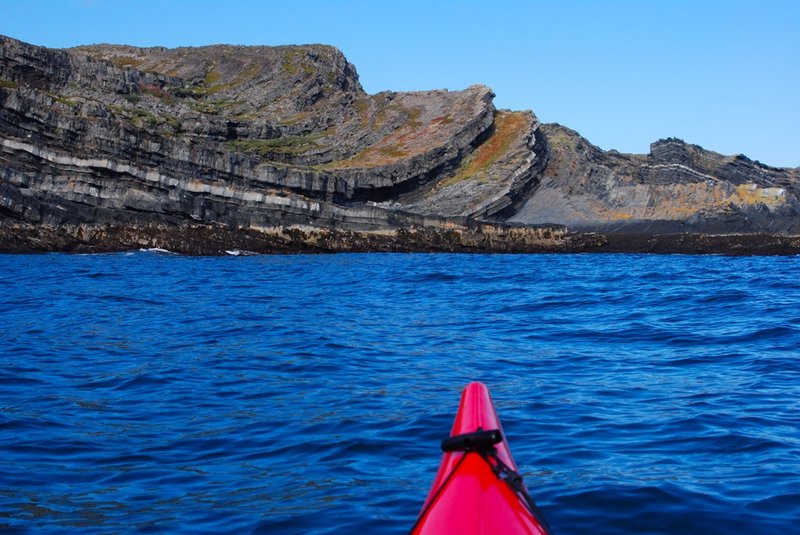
[152, 393]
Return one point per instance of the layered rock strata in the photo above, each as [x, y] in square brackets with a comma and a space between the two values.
[677, 188]
[280, 149]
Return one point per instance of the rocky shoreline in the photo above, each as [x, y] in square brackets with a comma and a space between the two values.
[209, 240]
[279, 150]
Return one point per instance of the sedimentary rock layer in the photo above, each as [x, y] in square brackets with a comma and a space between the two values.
[676, 188]
[256, 142]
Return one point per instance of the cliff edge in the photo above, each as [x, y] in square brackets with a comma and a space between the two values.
[208, 149]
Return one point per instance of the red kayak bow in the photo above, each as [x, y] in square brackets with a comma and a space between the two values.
[477, 488]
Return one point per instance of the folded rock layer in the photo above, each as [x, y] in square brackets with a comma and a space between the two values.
[108, 147]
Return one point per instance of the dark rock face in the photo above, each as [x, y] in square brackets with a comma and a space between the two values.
[114, 146]
[197, 239]
[677, 188]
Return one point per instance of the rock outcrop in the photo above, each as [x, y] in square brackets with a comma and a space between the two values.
[677, 188]
[216, 148]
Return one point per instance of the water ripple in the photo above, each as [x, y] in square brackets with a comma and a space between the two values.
[307, 394]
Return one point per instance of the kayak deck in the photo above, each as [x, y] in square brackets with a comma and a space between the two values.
[469, 493]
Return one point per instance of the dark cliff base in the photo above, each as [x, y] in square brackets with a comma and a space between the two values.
[724, 244]
[209, 240]
[215, 240]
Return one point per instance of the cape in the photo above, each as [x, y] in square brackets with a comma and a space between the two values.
[221, 148]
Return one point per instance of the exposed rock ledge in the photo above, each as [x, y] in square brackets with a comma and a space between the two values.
[195, 239]
[279, 149]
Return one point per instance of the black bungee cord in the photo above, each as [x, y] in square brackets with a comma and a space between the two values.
[483, 443]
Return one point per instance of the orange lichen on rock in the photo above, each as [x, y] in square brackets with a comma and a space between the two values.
[508, 126]
[411, 139]
[752, 194]
[418, 123]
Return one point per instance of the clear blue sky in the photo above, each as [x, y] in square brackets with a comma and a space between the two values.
[722, 74]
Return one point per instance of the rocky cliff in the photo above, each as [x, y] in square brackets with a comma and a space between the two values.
[676, 188]
[208, 149]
